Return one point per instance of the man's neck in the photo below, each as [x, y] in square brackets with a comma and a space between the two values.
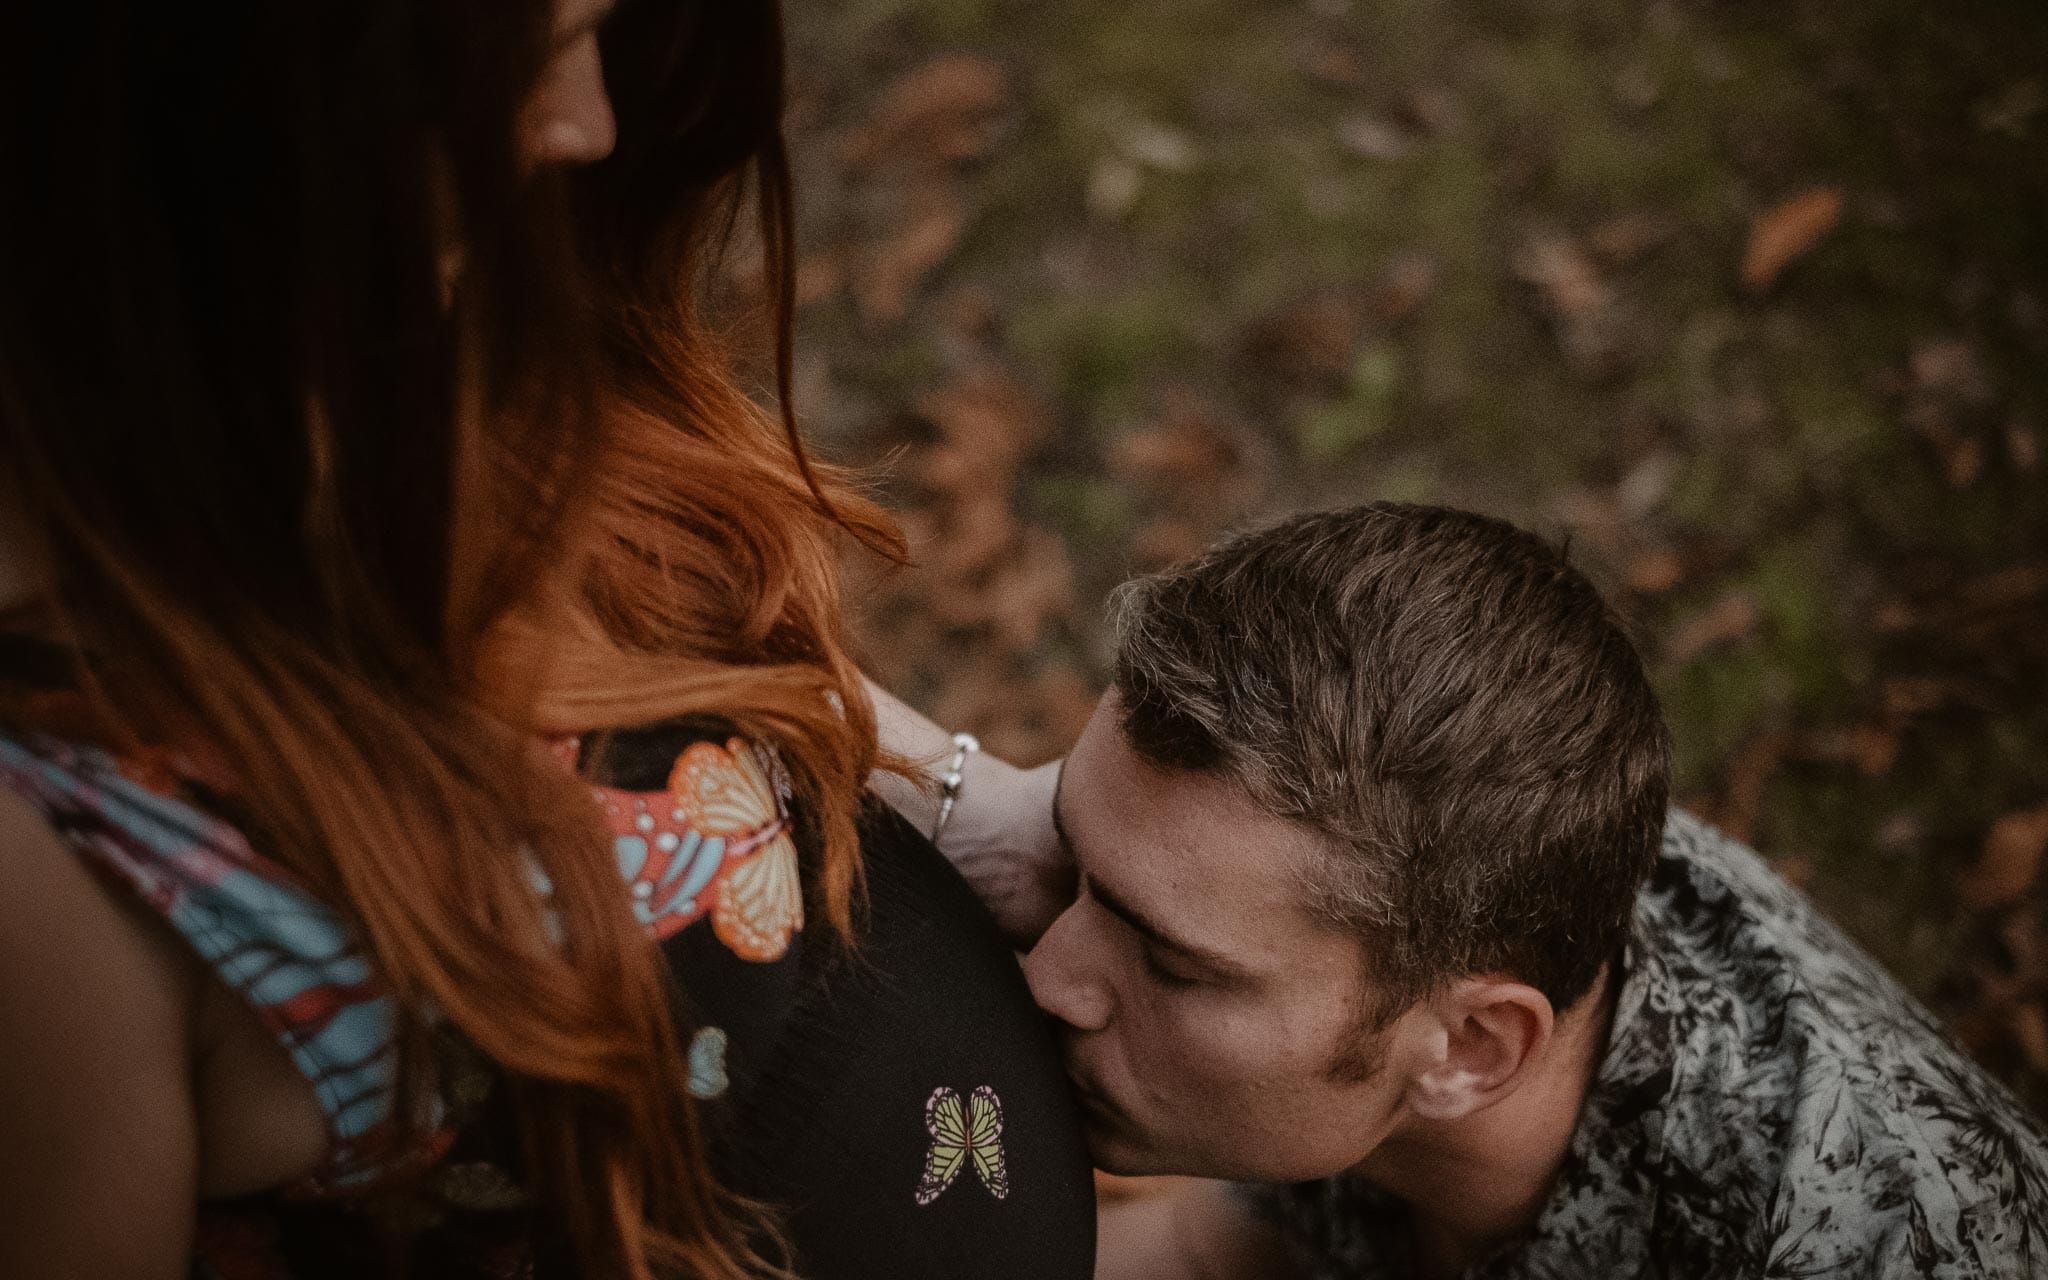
[1474, 1184]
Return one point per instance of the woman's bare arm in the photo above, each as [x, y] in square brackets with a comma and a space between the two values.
[1000, 834]
[98, 1143]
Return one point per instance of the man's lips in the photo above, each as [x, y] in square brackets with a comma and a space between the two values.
[1095, 1102]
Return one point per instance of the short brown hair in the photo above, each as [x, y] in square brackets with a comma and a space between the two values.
[1446, 701]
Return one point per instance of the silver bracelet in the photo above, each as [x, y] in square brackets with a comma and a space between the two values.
[950, 782]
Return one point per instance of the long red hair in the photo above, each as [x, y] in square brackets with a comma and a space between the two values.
[368, 542]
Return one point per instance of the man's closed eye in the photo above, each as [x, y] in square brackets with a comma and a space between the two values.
[1162, 972]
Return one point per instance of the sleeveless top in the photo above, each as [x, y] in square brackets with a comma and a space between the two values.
[900, 1103]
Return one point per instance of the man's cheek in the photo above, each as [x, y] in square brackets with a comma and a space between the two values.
[1207, 1072]
[1165, 1060]
[1225, 1049]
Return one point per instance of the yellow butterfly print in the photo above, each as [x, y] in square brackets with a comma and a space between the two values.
[963, 1133]
[727, 791]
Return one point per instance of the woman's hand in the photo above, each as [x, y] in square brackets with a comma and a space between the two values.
[1000, 835]
[1002, 840]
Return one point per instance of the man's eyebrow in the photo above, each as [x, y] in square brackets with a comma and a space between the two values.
[1147, 927]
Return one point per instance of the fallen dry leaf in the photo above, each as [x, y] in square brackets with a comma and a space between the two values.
[1962, 462]
[1069, 702]
[971, 315]
[1332, 64]
[819, 278]
[1407, 283]
[1568, 278]
[971, 545]
[2010, 863]
[1192, 465]
[1628, 239]
[1906, 696]
[1032, 585]
[1894, 615]
[1749, 777]
[2006, 589]
[1585, 313]
[2023, 446]
[1180, 452]
[1951, 369]
[979, 576]
[1787, 232]
[1875, 748]
[1374, 137]
[1795, 871]
[1594, 522]
[899, 264]
[1024, 716]
[989, 416]
[1314, 336]
[945, 111]
[1872, 746]
[1655, 570]
[1647, 484]
[1733, 617]
[1163, 542]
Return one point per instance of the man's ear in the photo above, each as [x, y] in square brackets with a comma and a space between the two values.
[1493, 1029]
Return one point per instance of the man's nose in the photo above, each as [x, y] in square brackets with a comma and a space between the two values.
[1065, 978]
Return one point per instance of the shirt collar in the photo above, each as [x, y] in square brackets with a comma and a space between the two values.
[1604, 1190]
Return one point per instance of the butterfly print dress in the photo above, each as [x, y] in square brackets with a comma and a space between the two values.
[814, 1062]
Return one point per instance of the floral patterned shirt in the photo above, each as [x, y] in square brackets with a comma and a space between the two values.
[1771, 1105]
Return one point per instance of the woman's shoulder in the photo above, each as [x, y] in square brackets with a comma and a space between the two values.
[916, 1111]
[104, 996]
[68, 933]
[166, 899]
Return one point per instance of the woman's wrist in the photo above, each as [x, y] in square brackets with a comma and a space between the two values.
[1003, 841]
[923, 745]
[998, 832]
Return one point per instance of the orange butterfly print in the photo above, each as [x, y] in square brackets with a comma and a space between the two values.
[715, 841]
[728, 791]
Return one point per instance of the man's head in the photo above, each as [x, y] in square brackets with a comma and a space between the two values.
[1364, 813]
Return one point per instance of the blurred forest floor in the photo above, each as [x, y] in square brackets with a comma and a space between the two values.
[1746, 299]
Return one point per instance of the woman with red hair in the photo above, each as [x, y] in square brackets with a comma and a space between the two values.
[432, 781]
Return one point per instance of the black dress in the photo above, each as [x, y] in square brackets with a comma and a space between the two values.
[848, 1072]
[834, 1119]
